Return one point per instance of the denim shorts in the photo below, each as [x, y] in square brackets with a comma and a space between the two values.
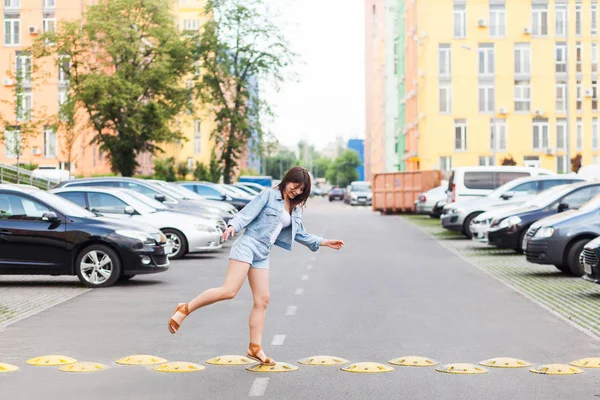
[251, 251]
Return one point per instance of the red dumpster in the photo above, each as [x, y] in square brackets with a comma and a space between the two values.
[398, 191]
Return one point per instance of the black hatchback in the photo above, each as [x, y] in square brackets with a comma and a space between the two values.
[508, 230]
[44, 234]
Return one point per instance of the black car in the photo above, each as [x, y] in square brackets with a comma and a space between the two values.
[507, 230]
[44, 234]
[211, 191]
[336, 194]
[559, 240]
[590, 259]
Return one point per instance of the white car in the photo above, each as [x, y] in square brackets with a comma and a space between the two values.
[186, 233]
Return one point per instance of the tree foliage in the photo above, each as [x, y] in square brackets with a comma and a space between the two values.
[576, 163]
[342, 170]
[509, 161]
[164, 169]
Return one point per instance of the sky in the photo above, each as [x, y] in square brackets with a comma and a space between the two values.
[329, 96]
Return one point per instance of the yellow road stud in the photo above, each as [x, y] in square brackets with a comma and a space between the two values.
[141, 359]
[323, 360]
[178, 366]
[278, 367]
[461, 368]
[83, 366]
[230, 360]
[556, 369]
[414, 361]
[7, 368]
[505, 362]
[51, 361]
[367, 368]
[593, 362]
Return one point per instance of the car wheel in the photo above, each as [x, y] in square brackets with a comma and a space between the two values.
[573, 257]
[178, 241]
[467, 225]
[563, 268]
[98, 266]
[521, 238]
[125, 278]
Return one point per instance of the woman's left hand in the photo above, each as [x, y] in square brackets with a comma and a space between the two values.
[334, 244]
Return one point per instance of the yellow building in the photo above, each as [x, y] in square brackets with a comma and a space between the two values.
[493, 63]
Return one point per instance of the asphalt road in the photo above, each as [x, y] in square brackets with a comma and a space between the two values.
[392, 291]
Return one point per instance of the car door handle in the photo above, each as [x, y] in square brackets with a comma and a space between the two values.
[5, 232]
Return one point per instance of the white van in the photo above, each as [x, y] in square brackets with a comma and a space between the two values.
[470, 182]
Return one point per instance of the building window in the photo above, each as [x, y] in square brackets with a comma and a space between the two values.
[594, 19]
[460, 135]
[560, 53]
[541, 135]
[460, 21]
[445, 57]
[190, 164]
[23, 69]
[62, 97]
[48, 4]
[48, 25]
[486, 97]
[486, 59]
[498, 142]
[594, 57]
[12, 4]
[522, 59]
[579, 57]
[561, 96]
[24, 106]
[445, 97]
[561, 133]
[522, 96]
[12, 30]
[12, 143]
[561, 164]
[578, 19]
[497, 20]
[579, 131]
[191, 24]
[594, 96]
[595, 134]
[560, 20]
[49, 143]
[594, 159]
[486, 161]
[539, 18]
[197, 136]
[446, 163]
[63, 69]
[579, 96]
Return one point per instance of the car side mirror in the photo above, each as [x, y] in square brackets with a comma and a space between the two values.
[50, 216]
[507, 195]
[129, 210]
[160, 197]
[563, 207]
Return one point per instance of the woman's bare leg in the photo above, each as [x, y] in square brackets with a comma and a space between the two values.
[236, 274]
[259, 283]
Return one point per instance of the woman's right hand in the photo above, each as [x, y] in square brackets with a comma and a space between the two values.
[228, 232]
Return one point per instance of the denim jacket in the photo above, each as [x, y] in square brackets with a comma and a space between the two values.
[261, 216]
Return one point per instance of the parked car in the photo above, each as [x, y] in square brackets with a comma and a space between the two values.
[508, 229]
[248, 189]
[44, 234]
[253, 185]
[187, 233]
[165, 195]
[459, 215]
[237, 192]
[360, 193]
[426, 201]
[559, 240]
[471, 182]
[590, 260]
[336, 193]
[213, 191]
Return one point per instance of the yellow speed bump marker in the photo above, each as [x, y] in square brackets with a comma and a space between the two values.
[83, 367]
[323, 360]
[278, 367]
[367, 368]
[556, 369]
[141, 359]
[505, 362]
[178, 366]
[230, 360]
[593, 362]
[51, 361]
[461, 368]
[8, 368]
[414, 361]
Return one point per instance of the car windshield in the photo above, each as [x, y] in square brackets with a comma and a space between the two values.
[503, 189]
[186, 193]
[229, 191]
[361, 187]
[169, 192]
[151, 203]
[547, 197]
[63, 206]
[140, 205]
[592, 205]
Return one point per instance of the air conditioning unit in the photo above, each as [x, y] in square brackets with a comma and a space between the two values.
[503, 110]
[423, 34]
[34, 30]
[481, 23]
[539, 112]
[527, 31]
[8, 82]
[421, 115]
[36, 151]
[421, 73]
[588, 93]
[549, 151]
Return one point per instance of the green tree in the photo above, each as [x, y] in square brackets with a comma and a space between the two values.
[201, 172]
[182, 170]
[164, 169]
[238, 47]
[279, 164]
[127, 60]
[214, 168]
[342, 170]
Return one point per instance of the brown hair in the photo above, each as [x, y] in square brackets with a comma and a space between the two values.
[297, 175]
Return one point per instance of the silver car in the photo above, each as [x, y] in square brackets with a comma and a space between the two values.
[186, 233]
[427, 200]
[458, 216]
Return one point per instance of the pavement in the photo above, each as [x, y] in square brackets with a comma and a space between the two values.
[394, 290]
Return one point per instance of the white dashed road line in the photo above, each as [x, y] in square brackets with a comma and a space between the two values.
[291, 310]
[278, 340]
[258, 387]
[299, 292]
[304, 277]
[309, 267]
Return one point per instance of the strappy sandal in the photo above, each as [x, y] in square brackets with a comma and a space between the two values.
[173, 325]
[253, 351]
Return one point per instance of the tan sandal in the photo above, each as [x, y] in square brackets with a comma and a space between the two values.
[173, 325]
[253, 351]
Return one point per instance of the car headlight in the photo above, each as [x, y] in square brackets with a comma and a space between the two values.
[204, 228]
[510, 221]
[545, 232]
[139, 235]
[457, 211]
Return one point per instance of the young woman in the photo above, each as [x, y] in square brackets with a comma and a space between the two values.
[274, 217]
